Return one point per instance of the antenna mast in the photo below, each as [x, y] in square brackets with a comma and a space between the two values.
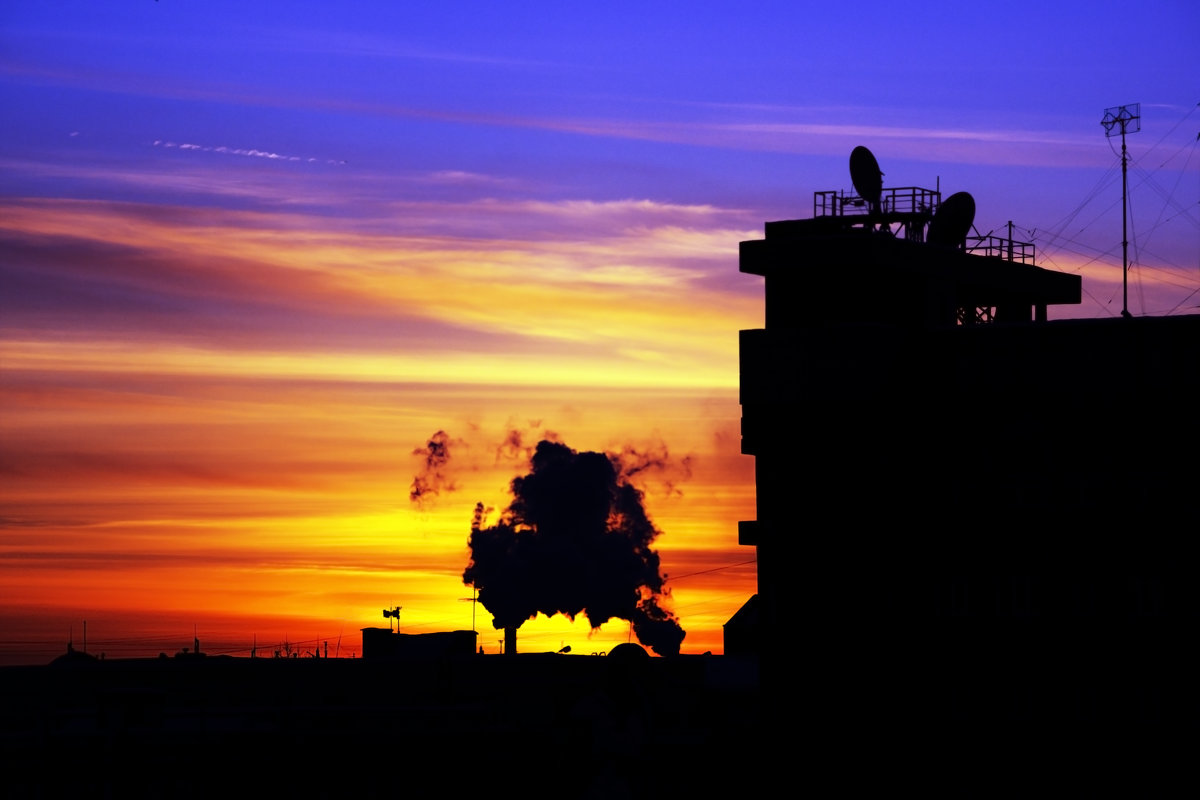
[394, 613]
[1129, 120]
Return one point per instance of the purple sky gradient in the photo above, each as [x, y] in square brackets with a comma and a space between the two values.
[722, 105]
[253, 254]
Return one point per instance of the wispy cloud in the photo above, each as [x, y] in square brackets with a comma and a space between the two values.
[746, 127]
[243, 151]
[395, 47]
[271, 291]
[458, 177]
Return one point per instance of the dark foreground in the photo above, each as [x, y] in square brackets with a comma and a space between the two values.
[536, 725]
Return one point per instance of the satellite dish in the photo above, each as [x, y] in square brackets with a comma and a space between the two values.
[865, 175]
[628, 651]
[952, 221]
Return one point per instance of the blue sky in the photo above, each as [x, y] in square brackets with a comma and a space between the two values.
[299, 238]
[683, 103]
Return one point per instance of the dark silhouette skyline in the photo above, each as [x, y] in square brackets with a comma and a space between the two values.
[970, 574]
[245, 275]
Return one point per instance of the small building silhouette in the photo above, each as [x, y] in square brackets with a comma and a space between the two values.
[384, 643]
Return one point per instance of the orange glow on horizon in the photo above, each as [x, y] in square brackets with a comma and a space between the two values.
[157, 472]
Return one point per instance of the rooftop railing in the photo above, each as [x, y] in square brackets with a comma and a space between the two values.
[1008, 249]
[913, 205]
[900, 200]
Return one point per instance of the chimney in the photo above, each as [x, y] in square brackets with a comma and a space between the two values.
[510, 641]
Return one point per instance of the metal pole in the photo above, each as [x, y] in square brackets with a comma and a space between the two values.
[1124, 230]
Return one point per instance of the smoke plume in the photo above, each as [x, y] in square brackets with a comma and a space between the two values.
[434, 476]
[515, 445]
[575, 540]
[653, 463]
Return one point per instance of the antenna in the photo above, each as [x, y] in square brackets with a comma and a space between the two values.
[1128, 119]
[952, 221]
[866, 176]
[395, 614]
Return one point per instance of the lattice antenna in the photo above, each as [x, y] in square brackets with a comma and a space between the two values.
[1123, 120]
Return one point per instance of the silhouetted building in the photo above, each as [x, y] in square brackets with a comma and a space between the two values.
[971, 521]
[625, 725]
[383, 643]
[741, 632]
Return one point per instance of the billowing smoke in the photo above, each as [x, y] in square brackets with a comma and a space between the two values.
[575, 540]
[434, 476]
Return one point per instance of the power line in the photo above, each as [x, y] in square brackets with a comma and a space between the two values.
[714, 569]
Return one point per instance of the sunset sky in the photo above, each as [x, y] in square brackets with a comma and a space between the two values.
[253, 255]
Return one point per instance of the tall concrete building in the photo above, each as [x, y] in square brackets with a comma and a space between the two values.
[972, 522]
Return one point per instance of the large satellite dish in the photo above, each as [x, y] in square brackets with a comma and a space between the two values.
[865, 175]
[952, 221]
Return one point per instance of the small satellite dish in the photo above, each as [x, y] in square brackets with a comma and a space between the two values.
[952, 221]
[865, 175]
